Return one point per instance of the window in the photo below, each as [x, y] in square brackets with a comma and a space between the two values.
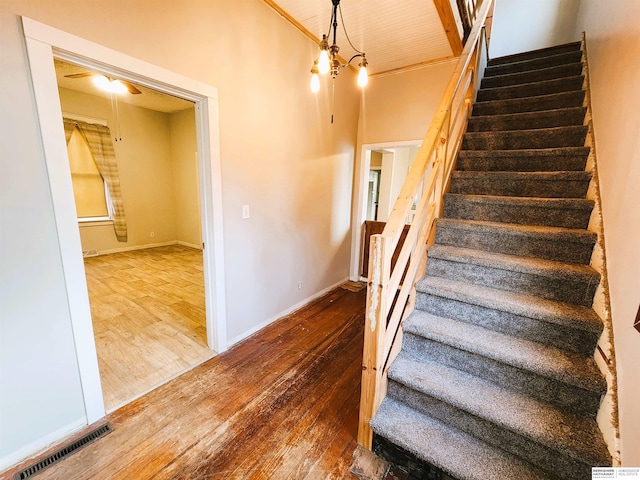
[89, 188]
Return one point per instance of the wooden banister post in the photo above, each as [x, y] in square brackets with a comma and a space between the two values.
[371, 393]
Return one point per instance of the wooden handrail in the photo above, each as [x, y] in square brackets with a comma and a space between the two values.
[391, 289]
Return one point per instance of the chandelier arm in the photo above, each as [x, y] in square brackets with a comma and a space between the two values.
[352, 59]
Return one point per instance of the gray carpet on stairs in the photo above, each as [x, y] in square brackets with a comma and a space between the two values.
[496, 377]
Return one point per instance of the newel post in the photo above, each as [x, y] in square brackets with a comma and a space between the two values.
[372, 387]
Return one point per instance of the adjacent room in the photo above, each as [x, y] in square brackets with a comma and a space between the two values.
[134, 172]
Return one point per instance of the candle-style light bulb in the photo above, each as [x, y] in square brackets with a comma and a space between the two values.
[363, 76]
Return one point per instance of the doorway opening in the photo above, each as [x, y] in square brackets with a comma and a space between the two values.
[146, 293]
[383, 170]
[44, 43]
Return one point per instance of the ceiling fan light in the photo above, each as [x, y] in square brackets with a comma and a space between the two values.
[108, 85]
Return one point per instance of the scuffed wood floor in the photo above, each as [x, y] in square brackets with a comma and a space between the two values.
[282, 404]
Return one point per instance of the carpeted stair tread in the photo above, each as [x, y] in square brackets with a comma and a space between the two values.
[533, 64]
[535, 266]
[557, 184]
[530, 103]
[567, 136]
[533, 89]
[559, 365]
[558, 117]
[538, 53]
[462, 456]
[558, 324]
[535, 75]
[529, 160]
[552, 243]
[559, 431]
[550, 311]
[552, 212]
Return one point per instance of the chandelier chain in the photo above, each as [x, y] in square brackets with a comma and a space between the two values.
[345, 31]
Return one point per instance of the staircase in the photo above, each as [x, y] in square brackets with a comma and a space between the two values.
[496, 377]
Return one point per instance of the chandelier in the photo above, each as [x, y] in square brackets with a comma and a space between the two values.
[328, 61]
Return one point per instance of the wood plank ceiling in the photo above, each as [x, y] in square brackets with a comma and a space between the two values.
[394, 35]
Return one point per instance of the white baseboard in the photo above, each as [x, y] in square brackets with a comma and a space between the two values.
[284, 313]
[148, 245]
[197, 246]
[41, 445]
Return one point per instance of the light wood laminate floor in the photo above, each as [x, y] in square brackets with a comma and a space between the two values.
[282, 404]
[148, 318]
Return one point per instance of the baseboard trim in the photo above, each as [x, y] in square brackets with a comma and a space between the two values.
[147, 245]
[41, 445]
[284, 313]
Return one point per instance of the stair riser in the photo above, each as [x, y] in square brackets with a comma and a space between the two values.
[534, 104]
[531, 89]
[523, 381]
[525, 139]
[520, 188]
[526, 121]
[465, 209]
[535, 54]
[521, 164]
[552, 460]
[396, 455]
[554, 335]
[511, 243]
[571, 290]
[534, 64]
[540, 75]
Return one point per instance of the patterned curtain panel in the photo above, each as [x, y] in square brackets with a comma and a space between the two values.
[98, 138]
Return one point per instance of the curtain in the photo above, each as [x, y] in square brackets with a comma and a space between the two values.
[98, 138]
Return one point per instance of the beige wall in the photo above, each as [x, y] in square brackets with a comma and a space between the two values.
[182, 127]
[279, 154]
[522, 25]
[400, 107]
[613, 44]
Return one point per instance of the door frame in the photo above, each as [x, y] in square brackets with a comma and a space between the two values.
[43, 44]
[359, 212]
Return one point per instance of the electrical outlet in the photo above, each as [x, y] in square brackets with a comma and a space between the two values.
[152, 234]
[299, 285]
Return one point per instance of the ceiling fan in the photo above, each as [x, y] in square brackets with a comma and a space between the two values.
[107, 83]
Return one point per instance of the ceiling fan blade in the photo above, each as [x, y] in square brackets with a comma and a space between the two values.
[131, 87]
[79, 75]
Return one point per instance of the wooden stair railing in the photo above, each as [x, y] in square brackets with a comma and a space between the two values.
[391, 290]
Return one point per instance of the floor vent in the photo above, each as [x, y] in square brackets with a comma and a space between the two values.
[63, 452]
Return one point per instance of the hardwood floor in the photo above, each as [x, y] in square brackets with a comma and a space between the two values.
[282, 404]
[148, 317]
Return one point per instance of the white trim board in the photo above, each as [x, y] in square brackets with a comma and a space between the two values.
[132, 248]
[43, 43]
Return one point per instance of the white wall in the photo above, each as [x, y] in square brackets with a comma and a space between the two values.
[522, 25]
[40, 396]
[279, 154]
[613, 44]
